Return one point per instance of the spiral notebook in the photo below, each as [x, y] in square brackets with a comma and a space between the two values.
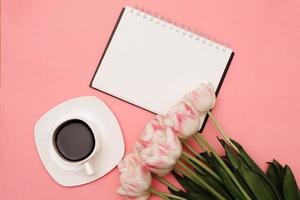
[152, 63]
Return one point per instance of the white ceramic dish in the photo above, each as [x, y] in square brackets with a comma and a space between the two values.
[108, 133]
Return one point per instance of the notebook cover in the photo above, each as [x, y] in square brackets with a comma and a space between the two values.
[103, 55]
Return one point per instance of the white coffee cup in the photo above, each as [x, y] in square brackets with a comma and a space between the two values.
[86, 163]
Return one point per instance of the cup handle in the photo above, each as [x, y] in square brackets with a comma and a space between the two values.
[88, 168]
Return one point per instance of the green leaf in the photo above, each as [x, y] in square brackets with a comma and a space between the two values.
[197, 196]
[208, 178]
[193, 188]
[179, 193]
[209, 160]
[190, 196]
[229, 190]
[198, 169]
[279, 168]
[290, 188]
[219, 187]
[244, 184]
[189, 185]
[194, 192]
[275, 173]
[233, 161]
[261, 189]
[252, 175]
[254, 167]
[248, 160]
[228, 183]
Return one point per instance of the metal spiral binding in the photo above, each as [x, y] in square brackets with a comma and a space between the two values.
[187, 31]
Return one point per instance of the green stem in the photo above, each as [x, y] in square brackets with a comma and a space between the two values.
[202, 182]
[203, 166]
[200, 143]
[200, 137]
[184, 142]
[165, 182]
[189, 173]
[185, 174]
[154, 191]
[230, 174]
[165, 195]
[172, 196]
[219, 128]
[189, 147]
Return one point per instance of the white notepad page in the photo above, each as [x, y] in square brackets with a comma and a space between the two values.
[153, 64]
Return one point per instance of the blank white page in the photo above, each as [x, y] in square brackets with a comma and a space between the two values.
[153, 64]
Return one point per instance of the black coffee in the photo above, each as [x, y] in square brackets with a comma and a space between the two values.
[74, 140]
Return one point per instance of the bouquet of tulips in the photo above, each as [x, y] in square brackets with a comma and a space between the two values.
[164, 147]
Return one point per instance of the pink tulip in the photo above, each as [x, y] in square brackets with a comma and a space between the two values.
[184, 119]
[202, 98]
[158, 147]
[135, 180]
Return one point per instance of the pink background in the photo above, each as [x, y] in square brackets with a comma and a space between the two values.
[50, 50]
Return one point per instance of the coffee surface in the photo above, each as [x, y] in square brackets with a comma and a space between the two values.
[74, 140]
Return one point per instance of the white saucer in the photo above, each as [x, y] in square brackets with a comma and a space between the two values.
[104, 160]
